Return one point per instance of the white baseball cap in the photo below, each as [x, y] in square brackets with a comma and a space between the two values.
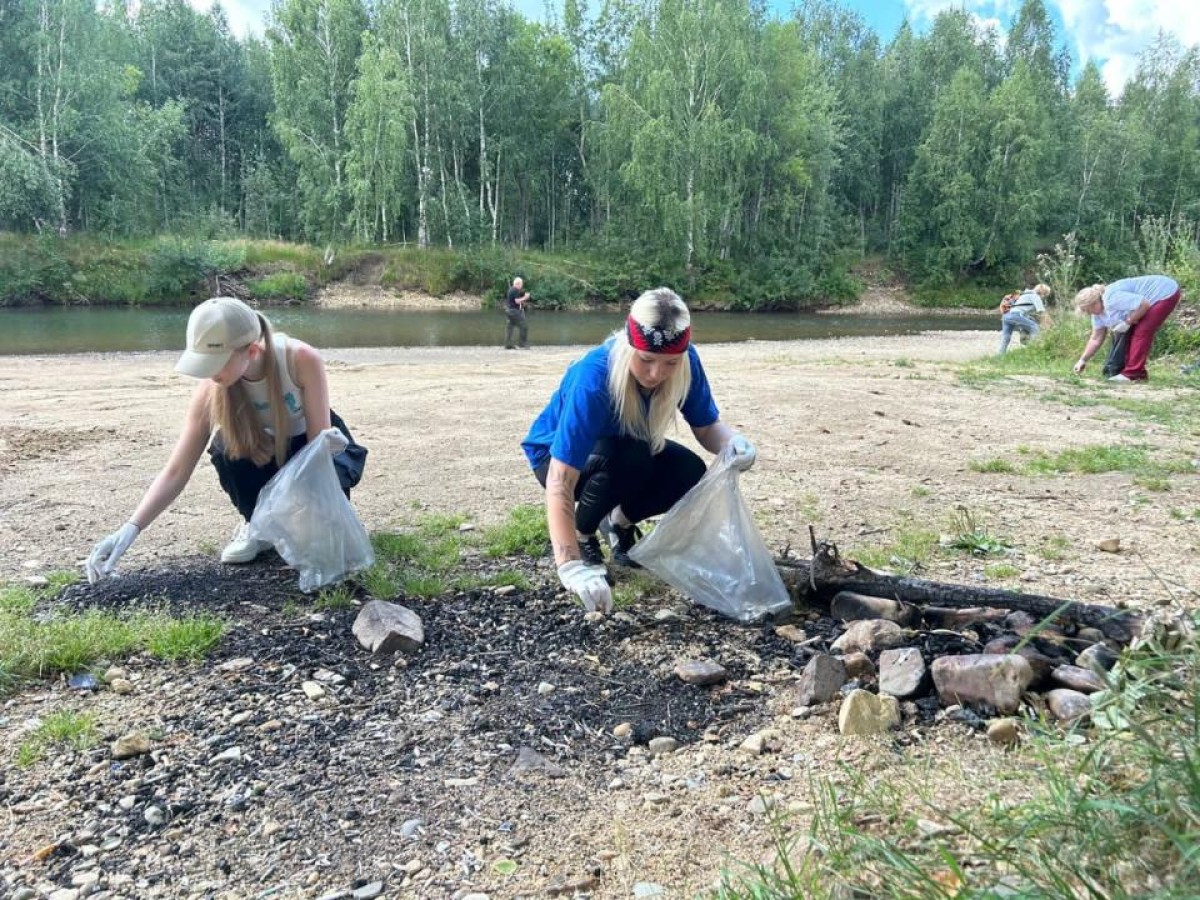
[215, 329]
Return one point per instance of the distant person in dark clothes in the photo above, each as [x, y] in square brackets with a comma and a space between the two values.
[1138, 305]
[514, 312]
[599, 448]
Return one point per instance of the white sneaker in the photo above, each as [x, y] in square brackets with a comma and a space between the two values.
[1120, 378]
[243, 549]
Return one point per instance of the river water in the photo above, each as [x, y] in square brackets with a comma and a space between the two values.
[108, 329]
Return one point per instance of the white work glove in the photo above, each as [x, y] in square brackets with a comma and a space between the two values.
[588, 583]
[108, 552]
[1120, 328]
[744, 453]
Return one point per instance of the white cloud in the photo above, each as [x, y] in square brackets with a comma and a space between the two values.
[1112, 33]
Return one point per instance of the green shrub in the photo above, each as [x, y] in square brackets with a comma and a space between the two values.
[279, 286]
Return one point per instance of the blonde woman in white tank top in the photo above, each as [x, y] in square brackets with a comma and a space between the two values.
[261, 397]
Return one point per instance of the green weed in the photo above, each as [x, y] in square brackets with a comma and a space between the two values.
[65, 727]
[1001, 570]
[971, 537]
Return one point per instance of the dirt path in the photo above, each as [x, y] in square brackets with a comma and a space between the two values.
[862, 438]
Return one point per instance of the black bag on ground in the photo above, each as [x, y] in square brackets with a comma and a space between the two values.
[1116, 355]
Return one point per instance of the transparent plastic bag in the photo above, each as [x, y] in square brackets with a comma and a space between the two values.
[304, 514]
[708, 548]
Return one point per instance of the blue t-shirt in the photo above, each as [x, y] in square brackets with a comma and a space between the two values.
[581, 410]
[1124, 296]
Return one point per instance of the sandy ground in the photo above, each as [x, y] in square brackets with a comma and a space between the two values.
[858, 437]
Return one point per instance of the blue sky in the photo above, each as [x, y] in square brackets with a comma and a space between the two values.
[1112, 32]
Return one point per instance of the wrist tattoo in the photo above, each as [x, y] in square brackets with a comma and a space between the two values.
[566, 553]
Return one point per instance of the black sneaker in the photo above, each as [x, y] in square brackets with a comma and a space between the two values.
[621, 539]
[590, 552]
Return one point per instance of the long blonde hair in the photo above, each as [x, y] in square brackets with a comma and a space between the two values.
[648, 423]
[231, 411]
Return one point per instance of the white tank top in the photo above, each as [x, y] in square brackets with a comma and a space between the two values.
[293, 397]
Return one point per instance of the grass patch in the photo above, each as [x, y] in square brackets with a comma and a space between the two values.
[635, 585]
[1053, 548]
[1001, 570]
[181, 639]
[337, 597]
[40, 648]
[1107, 812]
[1095, 459]
[920, 491]
[279, 286]
[524, 533]
[911, 548]
[427, 561]
[62, 728]
[997, 465]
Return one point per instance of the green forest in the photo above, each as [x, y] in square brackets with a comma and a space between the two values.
[704, 143]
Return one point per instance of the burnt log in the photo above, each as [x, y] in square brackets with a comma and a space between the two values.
[814, 583]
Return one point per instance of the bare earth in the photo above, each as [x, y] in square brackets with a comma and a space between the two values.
[857, 437]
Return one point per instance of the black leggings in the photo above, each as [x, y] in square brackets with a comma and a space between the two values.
[243, 480]
[622, 472]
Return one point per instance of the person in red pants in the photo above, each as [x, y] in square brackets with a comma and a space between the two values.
[1138, 305]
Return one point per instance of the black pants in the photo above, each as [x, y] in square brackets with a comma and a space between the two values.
[243, 480]
[622, 472]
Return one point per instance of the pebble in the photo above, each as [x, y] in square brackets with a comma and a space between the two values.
[128, 802]
[64, 894]
[700, 672]
[271, 828]
[1004, 731]
[648, 889]
[233, 754]
[112, 673]
[661, 746]
[368, 891]
[1109, 545]
[410, 828]
[412, 867]
[24, 893]
[129, 745]
[545, 688]
[312, 690]
[121, 686]
[623, 730]
[154, 816]
[37, 581]
[667, 616]
[241, 718]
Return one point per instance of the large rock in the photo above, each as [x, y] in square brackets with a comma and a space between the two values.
[851, 607]
[384, 627]
[901, 671]
[865, 713]
[982, 679]
[130, 745]
[1100, 658]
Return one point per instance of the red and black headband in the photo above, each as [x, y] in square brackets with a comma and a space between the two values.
[657, 340]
